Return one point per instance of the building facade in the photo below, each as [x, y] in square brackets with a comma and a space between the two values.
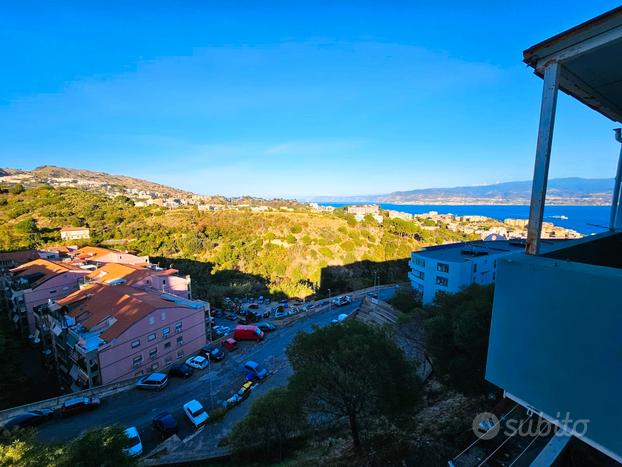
[36, 283]
[102, 334]
[75, 233]
[452, 267]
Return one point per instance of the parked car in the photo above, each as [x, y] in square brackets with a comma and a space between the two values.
[154, 381]
[231, 316]
[310, 306]
[283, 302]
[28, 419]
[232, 401]
[195, 413]
[339, 319]
[197, 362]
[254, 368]
[134, 447]
[245, 390]
[213, 353]
[324, 303]
[165, 424]
[243, 320]
[181, 371]
[247, 333]
[280, 314]
[79, 405]
[265, 326]
[230, 344]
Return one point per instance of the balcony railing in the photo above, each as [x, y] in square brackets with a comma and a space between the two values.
[555, 340]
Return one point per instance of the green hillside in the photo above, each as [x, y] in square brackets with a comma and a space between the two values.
[238, 252]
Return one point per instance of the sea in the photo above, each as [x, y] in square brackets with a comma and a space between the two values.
[586, 220]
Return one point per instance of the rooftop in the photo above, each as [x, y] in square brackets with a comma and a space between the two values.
[127, 273]
[466, 251]
[117, 307]
[36, 272]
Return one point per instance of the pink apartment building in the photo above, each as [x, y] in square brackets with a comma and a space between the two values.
[36, 283]
[108, 333]
[147, 277]
[98, 256]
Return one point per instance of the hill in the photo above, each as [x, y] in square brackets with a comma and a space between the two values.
[114, 185]
[227, 252]
[577, 191]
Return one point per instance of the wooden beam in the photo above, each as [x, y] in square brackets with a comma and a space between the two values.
[543, 156]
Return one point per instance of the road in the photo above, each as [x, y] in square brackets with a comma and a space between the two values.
[137, 408]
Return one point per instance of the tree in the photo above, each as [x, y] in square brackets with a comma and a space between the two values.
[271, 421]
[457, 337]
[27, 226]
[353, 371]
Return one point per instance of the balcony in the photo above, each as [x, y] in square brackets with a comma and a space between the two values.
[555, 340]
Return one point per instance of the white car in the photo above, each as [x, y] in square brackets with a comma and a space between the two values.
[195, 413]
[197, 362]
[134, 444]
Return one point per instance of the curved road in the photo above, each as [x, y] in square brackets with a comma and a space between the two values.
[137, 408]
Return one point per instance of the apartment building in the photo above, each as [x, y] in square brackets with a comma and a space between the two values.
[555, 346]
[101, 333]
[142, 276]
[363, 209]
[35, 283]
[452, 267]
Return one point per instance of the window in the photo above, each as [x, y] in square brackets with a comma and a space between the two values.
[163, 316]
[139, 373]
[168, 359]
[163, 281]
[135, 343]
[155, 366]
[420, 262]
[137, 361]
[178, 327]
[151, 320]
[442, 267]
[151, 337]
[419, 275]
[166, 332]
[180, 353]
[167, 345]
[52, 291]
[180, 340]
[475, 268]
[441, 281]
[153, 353]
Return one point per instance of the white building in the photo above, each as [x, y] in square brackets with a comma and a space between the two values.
[74, 233]
[452, 267]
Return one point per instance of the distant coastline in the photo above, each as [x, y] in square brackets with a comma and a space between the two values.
[581, 218]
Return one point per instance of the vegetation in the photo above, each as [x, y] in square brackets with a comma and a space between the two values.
[457, 329]
[225, 251]
[102, 447]
[270, 424]
[334, 380]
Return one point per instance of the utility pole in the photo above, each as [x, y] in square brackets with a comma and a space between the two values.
[330, 302]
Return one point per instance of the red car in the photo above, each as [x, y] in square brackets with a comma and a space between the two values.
[247, 333]
[230, 344]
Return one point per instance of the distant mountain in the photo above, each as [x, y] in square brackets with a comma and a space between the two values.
[579, 191]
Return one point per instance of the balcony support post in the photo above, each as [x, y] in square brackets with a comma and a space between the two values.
[543, 156]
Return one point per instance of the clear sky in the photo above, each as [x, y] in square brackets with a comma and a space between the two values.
[290, 98]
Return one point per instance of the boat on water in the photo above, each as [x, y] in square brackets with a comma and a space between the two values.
[562, 217]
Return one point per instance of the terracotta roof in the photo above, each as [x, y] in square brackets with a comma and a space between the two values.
[19, 256]
[95, 303]
[130, 273]
[92, 252]
[45, 268]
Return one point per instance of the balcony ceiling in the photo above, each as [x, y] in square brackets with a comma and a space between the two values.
[591, 59]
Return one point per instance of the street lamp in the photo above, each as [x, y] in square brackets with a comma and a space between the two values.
[330, 302]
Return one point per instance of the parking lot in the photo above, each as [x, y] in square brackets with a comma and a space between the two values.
[210, 386]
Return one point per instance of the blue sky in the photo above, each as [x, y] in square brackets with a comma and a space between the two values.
[290, 98]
